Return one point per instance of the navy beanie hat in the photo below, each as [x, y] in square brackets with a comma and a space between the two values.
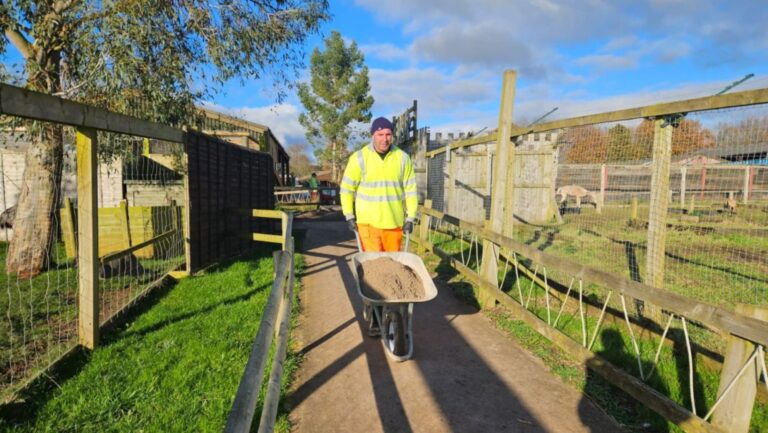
[381, 123]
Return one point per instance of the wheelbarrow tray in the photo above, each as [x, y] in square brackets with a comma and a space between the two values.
[408, 259]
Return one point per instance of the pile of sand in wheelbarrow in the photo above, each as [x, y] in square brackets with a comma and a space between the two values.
[386, 279]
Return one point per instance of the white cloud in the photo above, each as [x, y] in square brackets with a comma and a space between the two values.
[608, 61]
[386, 52]
[436, 91]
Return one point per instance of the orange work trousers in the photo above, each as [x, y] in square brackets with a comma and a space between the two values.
[374, 239]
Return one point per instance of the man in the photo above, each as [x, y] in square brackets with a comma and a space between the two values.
[378, 179]
[313, 187]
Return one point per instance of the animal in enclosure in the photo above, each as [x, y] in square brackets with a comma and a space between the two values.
[121, 266]
[7, 217]
[578, 192]
[730, 204]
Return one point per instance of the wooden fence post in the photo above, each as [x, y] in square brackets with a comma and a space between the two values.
[735, 411]
[501, 193]
[68, 231]
[657, 216]
[424, 227]
[125, 224]
[603, 183]
[683, 175]
[87, 237]
[745, 194]
[450, 205]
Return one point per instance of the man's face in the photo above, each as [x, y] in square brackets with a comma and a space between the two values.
[382, 139]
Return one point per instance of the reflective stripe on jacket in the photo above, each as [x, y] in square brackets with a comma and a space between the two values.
[373, 189]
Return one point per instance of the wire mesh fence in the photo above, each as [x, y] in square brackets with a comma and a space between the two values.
[140, 202]
[687, 213]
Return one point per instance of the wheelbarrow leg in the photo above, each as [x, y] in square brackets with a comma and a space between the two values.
[370, 317]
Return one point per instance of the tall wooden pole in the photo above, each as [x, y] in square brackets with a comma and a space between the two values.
[657, 217]
[87, 237]
[502, 190]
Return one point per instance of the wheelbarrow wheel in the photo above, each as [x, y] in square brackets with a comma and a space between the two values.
[394, 332]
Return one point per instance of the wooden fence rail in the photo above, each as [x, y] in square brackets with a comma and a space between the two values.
[749, 330]
[275, 321]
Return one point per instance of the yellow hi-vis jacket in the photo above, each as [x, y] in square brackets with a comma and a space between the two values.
[373, 189]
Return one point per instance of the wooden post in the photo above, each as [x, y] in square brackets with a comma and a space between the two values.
[451, 205]
[683, 174]
[424, 226]
[187, 214]
[125, 224]
[735, 411]
[657, 217]
[501, 211]
[284, 230]
[633, 209]
[692, 205]
[702, 182]
[87, 237]
[745, 193]
[68, 229]
[603, 183]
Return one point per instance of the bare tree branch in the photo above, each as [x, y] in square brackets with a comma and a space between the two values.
[20, 42]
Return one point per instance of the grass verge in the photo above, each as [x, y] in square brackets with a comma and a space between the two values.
[173, 366]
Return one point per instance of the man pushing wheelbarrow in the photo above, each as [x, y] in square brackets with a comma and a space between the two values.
[379, 201]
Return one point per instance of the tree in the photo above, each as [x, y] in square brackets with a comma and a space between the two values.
[336, 96]
[301, 165]
[140, 57]
[689, 136]
[584, 145]
[619, 143]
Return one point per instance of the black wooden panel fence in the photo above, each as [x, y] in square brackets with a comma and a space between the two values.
[226, 182]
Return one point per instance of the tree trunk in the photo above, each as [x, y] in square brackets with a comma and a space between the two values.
[34, 228]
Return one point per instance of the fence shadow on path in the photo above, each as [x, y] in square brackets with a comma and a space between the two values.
[465, 388]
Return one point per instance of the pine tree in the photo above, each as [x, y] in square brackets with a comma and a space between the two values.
[336, 96]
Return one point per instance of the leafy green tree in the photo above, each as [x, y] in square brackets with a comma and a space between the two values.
[619, 143]
[142, 57]
[336, 96]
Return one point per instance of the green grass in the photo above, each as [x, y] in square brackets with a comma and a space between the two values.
[174, 367]
[39, 315]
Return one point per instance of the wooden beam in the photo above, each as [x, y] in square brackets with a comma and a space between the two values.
[243, 408]
[472, 141]
[87, 237]
[707, 314]
[261, 237]
[735, 99]
[267, 213]
[15, 101]
[127, 251]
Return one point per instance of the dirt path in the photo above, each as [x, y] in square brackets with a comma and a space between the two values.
[465, 376]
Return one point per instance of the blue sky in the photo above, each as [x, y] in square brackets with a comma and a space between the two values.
[582, 56]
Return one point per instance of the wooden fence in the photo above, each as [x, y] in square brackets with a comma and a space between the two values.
[275, 321]
[523, 176]
[222, 183]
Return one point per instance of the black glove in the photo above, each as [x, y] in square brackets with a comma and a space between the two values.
[352, 224]
[408, 227]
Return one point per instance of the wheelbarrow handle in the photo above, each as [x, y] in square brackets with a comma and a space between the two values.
[359, 245]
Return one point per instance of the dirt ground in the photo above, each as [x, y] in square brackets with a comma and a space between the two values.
[465, 375]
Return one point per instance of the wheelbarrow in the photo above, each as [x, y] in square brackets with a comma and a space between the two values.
[393, 317]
